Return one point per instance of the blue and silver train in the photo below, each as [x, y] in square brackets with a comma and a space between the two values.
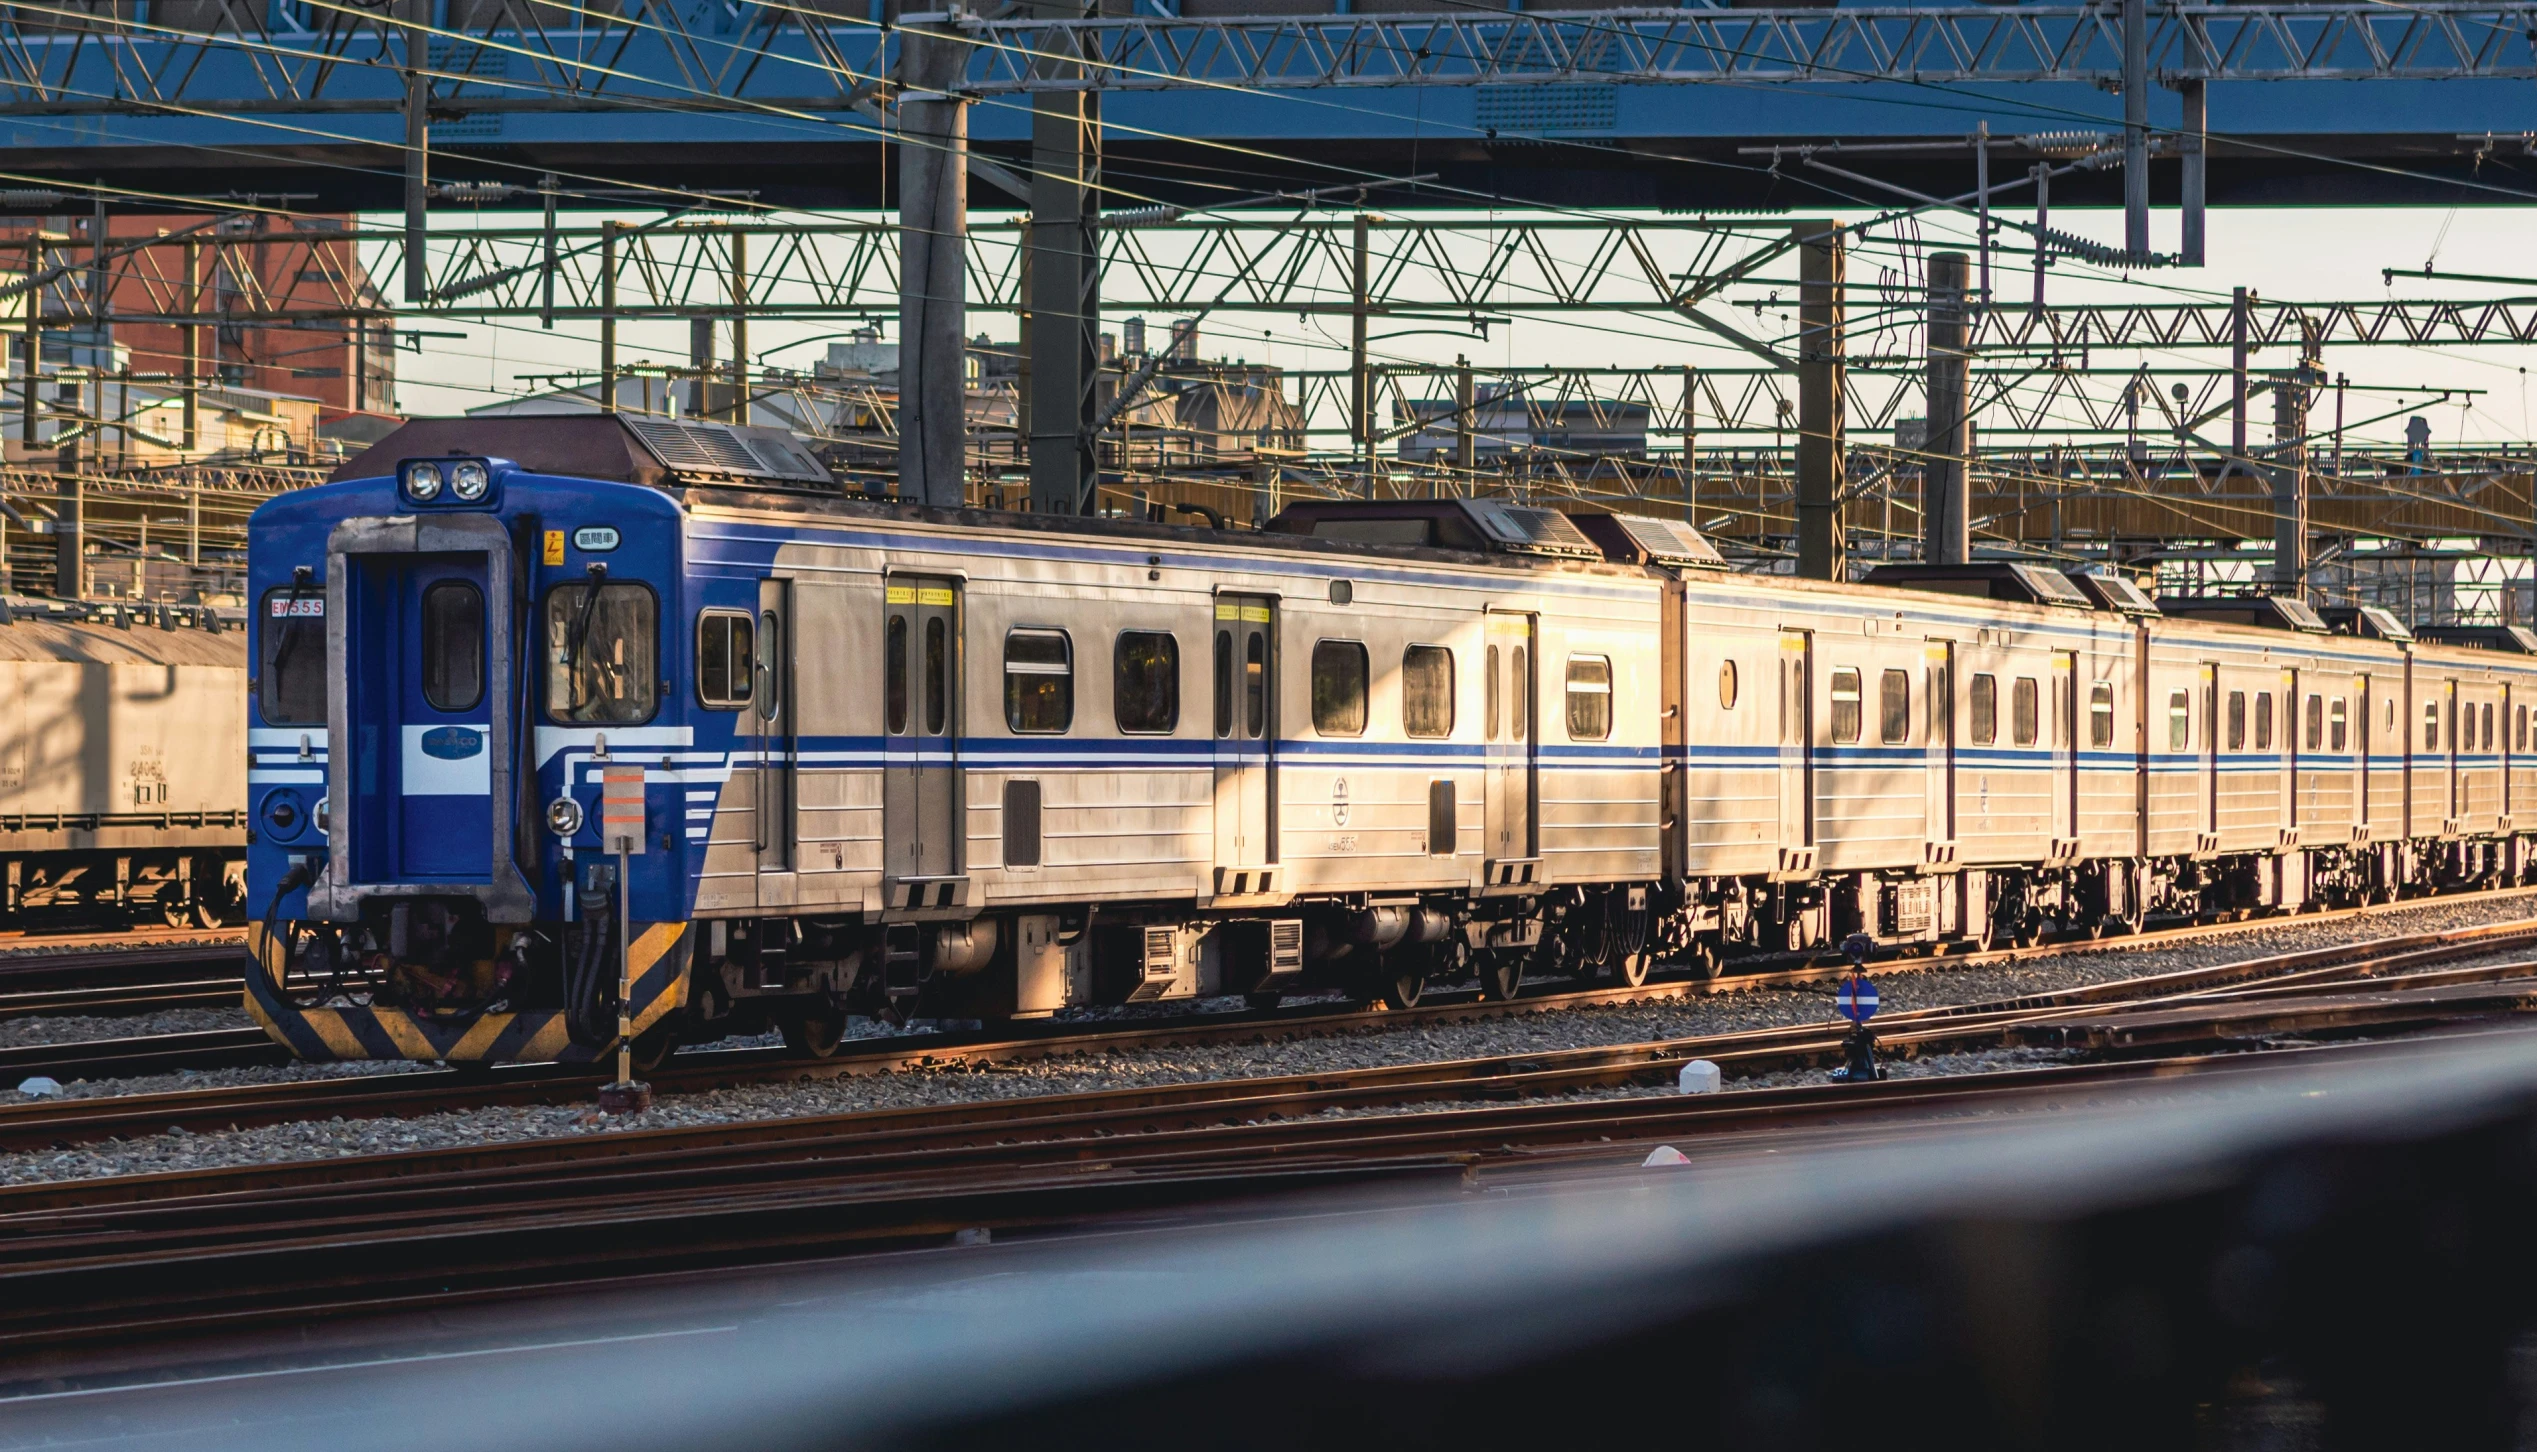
[899, 761]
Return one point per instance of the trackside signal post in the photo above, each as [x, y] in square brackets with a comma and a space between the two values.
[621, 828]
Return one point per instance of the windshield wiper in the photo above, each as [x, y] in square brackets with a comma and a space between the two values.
[576, 637]
[295, 624]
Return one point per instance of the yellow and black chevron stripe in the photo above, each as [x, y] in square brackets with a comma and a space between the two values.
[336, 1032]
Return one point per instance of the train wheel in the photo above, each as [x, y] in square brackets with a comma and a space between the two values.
[1501, 973]
[814, 1035]
[653, 1046]
[1703, 961]
[177, 914]
[1629, 969]
[1402, 980]
[206, 915]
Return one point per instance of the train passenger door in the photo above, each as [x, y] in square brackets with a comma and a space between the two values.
[2179, 735]
[2448, 748]
[1511, 658]
[2065, 752]
[1796, 750]
[422, 728]
[920, 722]
[1938, 659]
[2363, 703]
[1246, 743]
[2286, 763]
[775, 745]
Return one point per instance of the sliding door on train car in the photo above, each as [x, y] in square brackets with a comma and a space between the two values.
[1796, 750]
[2364, 703]
[774, 746]
[2065, 750]
[1938, 661]
[1245, 665]
[920, 745]
[2297, 716]
[2180, 734]
[1509, 726]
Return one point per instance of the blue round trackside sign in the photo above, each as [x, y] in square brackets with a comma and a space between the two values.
[1855, 999]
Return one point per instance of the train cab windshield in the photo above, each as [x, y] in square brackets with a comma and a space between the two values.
[601, 654]
[291, 657]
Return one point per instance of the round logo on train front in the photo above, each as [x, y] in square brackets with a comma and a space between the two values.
[452, 743]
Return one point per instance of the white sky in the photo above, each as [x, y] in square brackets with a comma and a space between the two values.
[2306, 255]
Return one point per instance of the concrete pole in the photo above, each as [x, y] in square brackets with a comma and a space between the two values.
[700, 364]
[1062, 289]
[1946, 509]
[1821, 264]
[2237, 381]
[1360, 395]
[1466, 427]
[2191, 151]
[2043, 174]
[933, 285]
[1691, 446]
[2290, 482]
[740, 328]
[1982, 206]
[418, 153]
[608, 316]
[2136, 129]
[30, 402]
[194, 349]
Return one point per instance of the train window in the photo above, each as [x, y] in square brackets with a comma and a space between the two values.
[1339, 674]
[1894, 707]
[2101, 714]
[1039, 681]
[2316, 732]
[2179, 720]
[2263, 720]
[1942, 726]
[895, 687]
[291, 674]
[938, 677]
[1489, 697]
[1255, 687]
[2237, 721]
[2338, 727]
[1726, 685]
[2024, 716]
[1590, 697]
[2431, 725]
[1519, 695]
[1145, 681]
[2488, 725]
[1845, 705]
[453, 645]
[726, 657]
[2520, 733]
[602, 654]
[1427, 692]
[1985, 710]
[1224, 684]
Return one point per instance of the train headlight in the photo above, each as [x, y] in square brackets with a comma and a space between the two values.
[563, 816]
[469, 481]
[323, 825]
[422, 482]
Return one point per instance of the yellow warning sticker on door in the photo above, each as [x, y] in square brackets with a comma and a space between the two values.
[554, 547]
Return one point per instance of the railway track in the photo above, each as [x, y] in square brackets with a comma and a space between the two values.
[128, 973]
[53, 1124]
[225, 1259]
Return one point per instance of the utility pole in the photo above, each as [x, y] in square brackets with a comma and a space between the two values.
[933, 285]
[1061, 348]
[2043, 175]
[2136, 131]
[740, 328]
[29, 402]
[547, 187]
[1946, 510]
[700, 364]
[1360, 393]
[1691, 446]
[418, 149]
[1821, 323]
[1466, 435]
[2290, 479]
[194, 347]
[1982, 207]
[2238, 316]
[608, 316]
[2191, 149]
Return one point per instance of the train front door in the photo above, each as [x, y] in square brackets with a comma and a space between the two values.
[1245, 678]
[1509, 730]
[920, 751]
[421, 719]
[775, 747]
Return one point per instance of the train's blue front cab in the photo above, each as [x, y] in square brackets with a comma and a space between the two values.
[447, 658]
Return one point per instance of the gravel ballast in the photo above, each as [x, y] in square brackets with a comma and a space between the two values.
[1406, 1042]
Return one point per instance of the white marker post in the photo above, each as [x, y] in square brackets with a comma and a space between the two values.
[621, 828]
